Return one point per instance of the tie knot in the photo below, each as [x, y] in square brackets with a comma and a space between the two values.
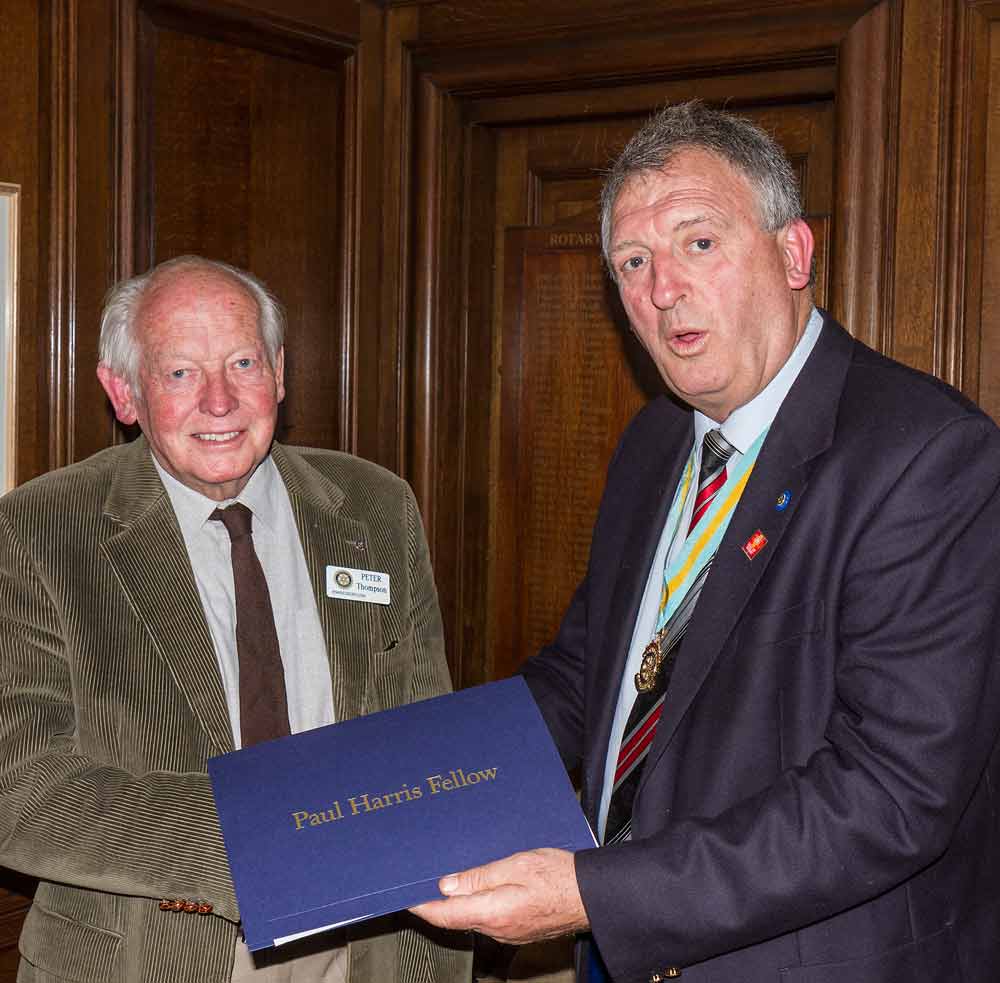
[716, 450]
[237, 519]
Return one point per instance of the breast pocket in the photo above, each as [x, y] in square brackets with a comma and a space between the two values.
[785, 625]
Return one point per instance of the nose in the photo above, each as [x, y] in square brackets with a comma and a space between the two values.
[217, 395]
[669, 285]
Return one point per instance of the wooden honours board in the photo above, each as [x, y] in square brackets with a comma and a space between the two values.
[572, 376]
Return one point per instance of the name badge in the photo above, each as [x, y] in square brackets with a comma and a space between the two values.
[357, 585]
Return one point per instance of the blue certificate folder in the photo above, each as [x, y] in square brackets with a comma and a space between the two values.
[362, 818]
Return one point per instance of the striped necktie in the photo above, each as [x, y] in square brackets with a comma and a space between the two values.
[715, 451]
[640, 729]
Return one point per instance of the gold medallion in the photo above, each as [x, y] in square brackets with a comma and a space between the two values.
[652, 659]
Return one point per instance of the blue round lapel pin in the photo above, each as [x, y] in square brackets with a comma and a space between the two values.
[784, 500]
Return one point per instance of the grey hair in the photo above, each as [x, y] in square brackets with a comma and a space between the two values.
[693, 125]
[119, 348]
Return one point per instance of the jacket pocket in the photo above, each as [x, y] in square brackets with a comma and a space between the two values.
[784, 625]
[390, 676]
[69, 949]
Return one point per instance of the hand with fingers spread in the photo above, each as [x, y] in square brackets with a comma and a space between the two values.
[523, 898]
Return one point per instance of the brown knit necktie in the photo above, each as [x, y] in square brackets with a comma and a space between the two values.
[263, 706]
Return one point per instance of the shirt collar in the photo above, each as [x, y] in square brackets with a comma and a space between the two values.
[745, 424]
[193, 510]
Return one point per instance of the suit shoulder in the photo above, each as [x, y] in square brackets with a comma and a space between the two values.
[660, 422]
[885, 393]
[659, 416]
[71, 486]
[353, 475]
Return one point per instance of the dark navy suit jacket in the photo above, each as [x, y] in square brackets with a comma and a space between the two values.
[820, 803]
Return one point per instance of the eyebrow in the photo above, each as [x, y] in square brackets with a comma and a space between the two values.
[626, 244]
[695, 220]
[679, 227]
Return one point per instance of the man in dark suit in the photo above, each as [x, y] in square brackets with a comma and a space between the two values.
[780, 674]
[124, 652]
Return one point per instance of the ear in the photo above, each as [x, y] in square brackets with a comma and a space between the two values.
[279, 374]
[797, 253]
[120, 394]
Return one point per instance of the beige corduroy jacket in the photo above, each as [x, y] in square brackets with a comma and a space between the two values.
[111, 704]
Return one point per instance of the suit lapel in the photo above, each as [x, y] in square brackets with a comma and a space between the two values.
[802, 430]
[150, 561]
[352, 631]
[662, 465]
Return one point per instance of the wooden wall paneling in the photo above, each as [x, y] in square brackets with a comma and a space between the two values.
[867, 96]
[920, 335]
[347, 281]
[23, 161]
[479, 475]
[80, 128]
[454, 22]
[25, 81]
[308, 17]
[79, 230]
[126, 148]
[423, 394]
[373, 345]
[449, 362]
[387, 440]
[61, 73]
[91, 258]
[649, 41]
[432, 297]
[976, 194]
[249, 144]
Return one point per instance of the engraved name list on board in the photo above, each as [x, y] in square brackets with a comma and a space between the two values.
[568, 390]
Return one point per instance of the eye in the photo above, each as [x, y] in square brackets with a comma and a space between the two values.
[701, 245]
[633, 263]
[179, 374]
[244, 363]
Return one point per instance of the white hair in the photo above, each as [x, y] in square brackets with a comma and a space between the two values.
[119, 347]
[694, 126]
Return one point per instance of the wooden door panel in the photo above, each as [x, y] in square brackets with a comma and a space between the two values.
[242, 160]
[979, 354]
[567, 393]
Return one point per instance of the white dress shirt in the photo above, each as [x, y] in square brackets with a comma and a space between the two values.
[296, 617]
[743, 426]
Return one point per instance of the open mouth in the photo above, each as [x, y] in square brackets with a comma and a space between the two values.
[682, 340]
